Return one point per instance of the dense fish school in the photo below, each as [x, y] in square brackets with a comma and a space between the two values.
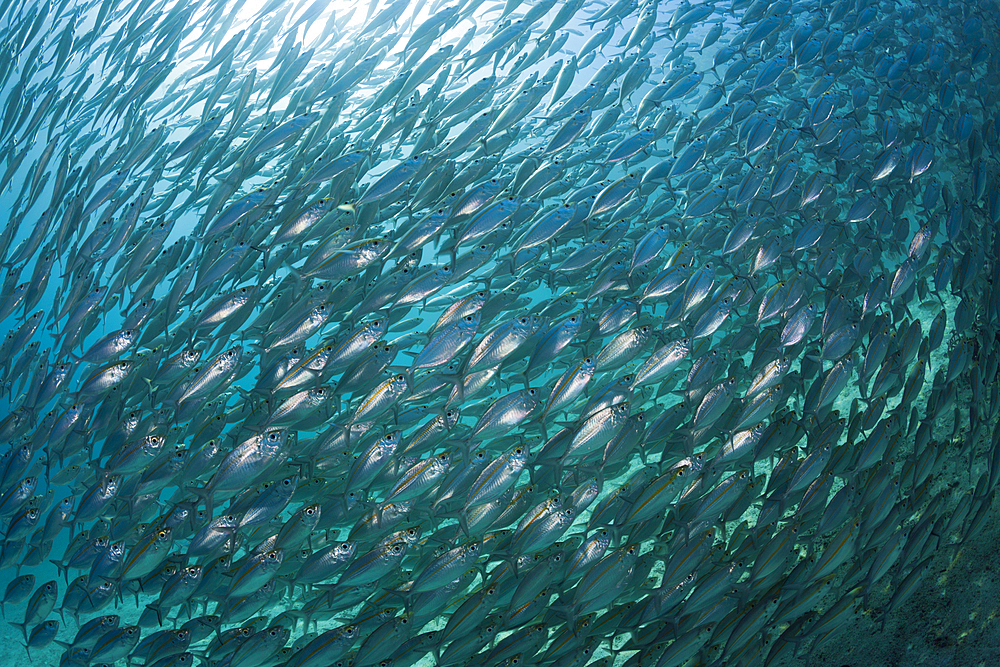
[452, 332]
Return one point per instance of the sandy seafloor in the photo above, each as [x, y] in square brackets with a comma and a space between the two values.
[953, 618]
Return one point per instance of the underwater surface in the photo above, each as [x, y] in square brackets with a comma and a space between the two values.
[499, 333]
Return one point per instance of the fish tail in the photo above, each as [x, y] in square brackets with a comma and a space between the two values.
[155, 607]
[463, 522]
[204, 495]
[23, 626]
[265, 251]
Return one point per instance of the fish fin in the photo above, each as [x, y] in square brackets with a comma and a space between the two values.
[23, 626]
[155, 607]
[463, 522]
[204, 495]
[62, 568]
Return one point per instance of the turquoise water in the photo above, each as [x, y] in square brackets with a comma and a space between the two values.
[934, 481]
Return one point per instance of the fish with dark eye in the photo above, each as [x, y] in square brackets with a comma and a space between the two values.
[324, 563]
[213, 375]
[151, 550]
[116, 644]
[259, 505]
[347, 261]
[418, 479]
[327, 648]
[506, 413]
[257, 571]
[371, 461]
[42, 636]
[391, 181]
[373, 565]
[18, 590]
[380, 399]
[39, 606]
[497, 477]
[244, 464]
[178, 589]
[447, 343]
[570, 385]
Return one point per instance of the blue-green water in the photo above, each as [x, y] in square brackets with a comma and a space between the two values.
[766, 160]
